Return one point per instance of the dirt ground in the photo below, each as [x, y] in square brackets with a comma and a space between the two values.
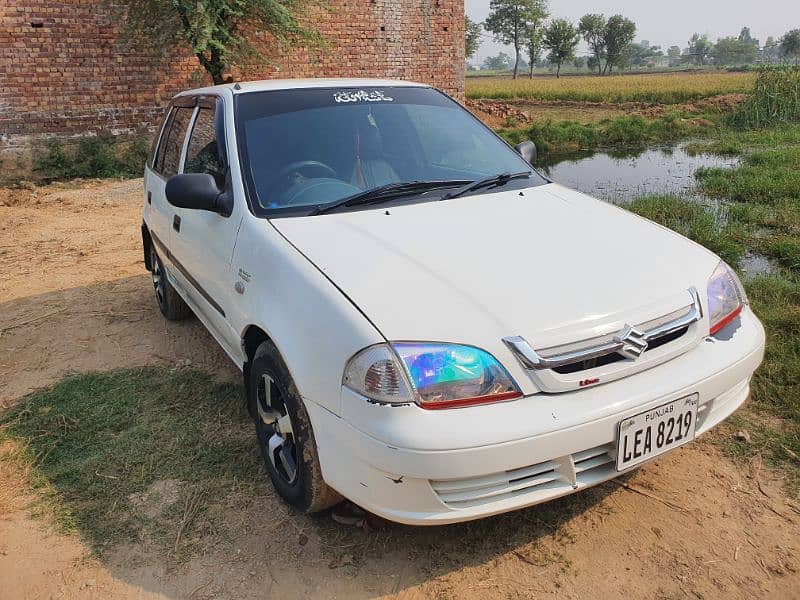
[74, 296]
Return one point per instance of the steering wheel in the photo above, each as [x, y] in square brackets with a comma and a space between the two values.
[282, 181]
[321, 168]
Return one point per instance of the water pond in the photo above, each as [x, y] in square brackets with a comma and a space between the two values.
[619, 176]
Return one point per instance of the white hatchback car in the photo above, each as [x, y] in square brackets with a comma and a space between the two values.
[425, 324]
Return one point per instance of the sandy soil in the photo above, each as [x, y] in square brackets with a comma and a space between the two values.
[74, 296]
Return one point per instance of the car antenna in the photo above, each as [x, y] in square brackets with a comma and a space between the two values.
[236, 86]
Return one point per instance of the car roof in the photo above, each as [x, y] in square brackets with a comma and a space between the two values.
[244, 87]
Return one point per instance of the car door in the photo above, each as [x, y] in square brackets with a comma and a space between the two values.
[201, 241]
[164, 164]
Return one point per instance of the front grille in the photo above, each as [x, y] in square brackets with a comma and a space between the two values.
[608, 359]
[540, 481]
[615, 353]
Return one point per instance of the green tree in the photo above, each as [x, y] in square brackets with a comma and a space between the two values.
[592, 28]
[472, 36]
[644, 55]
[561, 38]
[790, 45]
[535, 33]
[501, 62]
[734, 51]
[674, 55]
[618, 39]
[508, 20]
[771, 51]
[699, 49]
[216, 30]
[746, 38]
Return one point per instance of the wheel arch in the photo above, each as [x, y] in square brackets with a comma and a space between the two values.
[252, 338]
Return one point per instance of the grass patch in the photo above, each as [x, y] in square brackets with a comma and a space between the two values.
[784, 249]
[95, 443]
[717, 147]
[661, 88]
[624, 131]
[101, 156]
[765, 176]
[776, 385]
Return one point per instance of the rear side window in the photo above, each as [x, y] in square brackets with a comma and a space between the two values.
[169, 150]
[202, 154]
[161, 146]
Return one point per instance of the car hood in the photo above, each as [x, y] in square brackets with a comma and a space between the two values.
[548, 263]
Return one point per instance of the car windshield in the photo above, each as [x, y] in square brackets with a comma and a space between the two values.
[304, 149]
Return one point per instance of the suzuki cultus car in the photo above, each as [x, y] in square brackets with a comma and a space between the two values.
[426, 325]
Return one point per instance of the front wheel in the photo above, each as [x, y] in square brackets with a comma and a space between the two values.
[284, 434]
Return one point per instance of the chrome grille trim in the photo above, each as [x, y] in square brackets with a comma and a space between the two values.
[603, 345]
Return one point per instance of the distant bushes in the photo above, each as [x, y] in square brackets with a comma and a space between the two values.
[775, 100]
[101, 156]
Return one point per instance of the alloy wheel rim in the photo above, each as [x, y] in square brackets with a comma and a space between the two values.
[277, 425]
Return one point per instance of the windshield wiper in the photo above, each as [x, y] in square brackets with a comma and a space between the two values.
[386, 192]
[494, 180]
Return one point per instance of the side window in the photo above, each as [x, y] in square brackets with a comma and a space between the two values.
[202, 154]
[158, 159]
[170, 148]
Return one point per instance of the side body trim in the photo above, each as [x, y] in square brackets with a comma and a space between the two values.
[186, 274]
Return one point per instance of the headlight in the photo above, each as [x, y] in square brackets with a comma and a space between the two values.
[726, 297]
[431, 374]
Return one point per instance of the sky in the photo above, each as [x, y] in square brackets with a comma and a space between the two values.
[670, 22]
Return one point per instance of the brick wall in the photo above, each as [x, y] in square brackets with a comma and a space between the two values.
[62, 73]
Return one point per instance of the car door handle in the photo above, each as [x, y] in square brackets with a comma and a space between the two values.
[176, 223]
[149, 197]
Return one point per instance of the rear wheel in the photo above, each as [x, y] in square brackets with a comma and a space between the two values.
[284, 434]
[169, 301]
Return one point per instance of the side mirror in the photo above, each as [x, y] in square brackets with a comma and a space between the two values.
[198, 191]
[527, 150]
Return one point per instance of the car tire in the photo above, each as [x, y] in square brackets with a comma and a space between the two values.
[284, 433]
[169, 301]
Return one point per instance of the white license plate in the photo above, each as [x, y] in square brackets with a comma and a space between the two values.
[656, 431]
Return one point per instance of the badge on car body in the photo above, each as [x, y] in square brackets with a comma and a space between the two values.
[633, 340]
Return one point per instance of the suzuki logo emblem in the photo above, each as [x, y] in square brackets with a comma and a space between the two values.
[633, 342]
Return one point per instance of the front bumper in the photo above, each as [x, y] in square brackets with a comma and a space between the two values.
[404, 463]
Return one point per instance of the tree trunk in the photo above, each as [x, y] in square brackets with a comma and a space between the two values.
[599, 64]
[531, 65]
[558, 70]
[213, 66]
[516, 62]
